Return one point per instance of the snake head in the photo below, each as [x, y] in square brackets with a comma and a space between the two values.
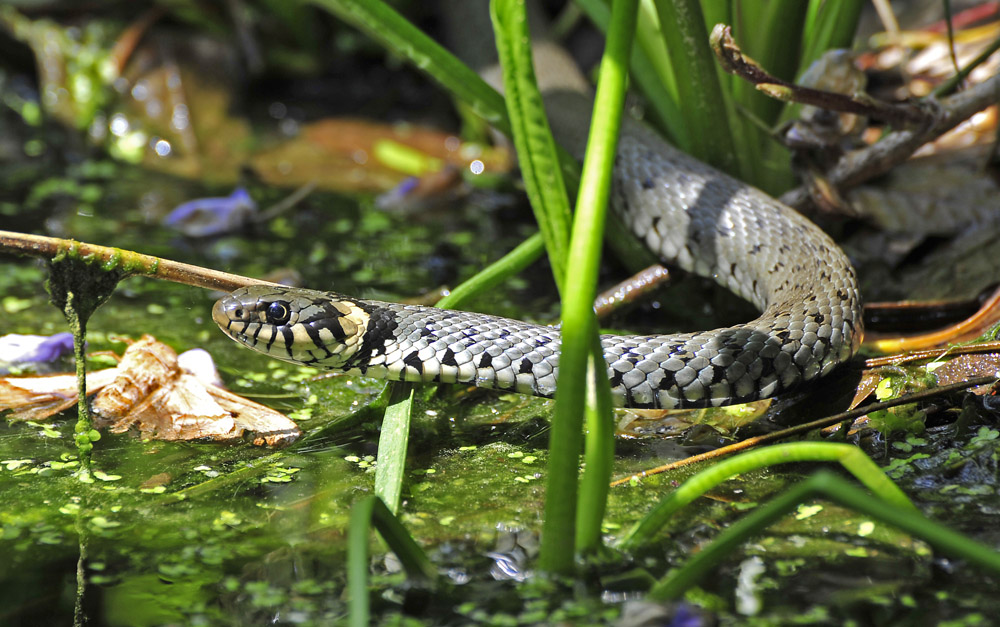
[297, 325]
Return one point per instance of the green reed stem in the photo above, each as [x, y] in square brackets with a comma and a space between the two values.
[850, 457]
[828, 485]
[579, 325]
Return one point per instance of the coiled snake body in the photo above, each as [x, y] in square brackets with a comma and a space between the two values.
[689, 214]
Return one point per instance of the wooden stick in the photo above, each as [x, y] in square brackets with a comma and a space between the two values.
[131, 263]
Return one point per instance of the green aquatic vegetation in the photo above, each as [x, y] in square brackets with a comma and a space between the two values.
[78, 288]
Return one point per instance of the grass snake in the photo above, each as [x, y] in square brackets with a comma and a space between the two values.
[689, 214]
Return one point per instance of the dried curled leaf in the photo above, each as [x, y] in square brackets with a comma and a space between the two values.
[161, 395]
[154, 394]
[37, 398]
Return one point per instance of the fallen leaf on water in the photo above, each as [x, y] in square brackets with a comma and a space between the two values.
[37, 398]
[151, 389]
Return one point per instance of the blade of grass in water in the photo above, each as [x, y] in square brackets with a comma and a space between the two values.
[830, 486]
[536, 150]
[579, 330]
[392, 445]
[705, 112]
[850, 457]
[367, 513]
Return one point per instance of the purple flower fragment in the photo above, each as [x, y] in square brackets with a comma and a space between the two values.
[23, 349]
[205, 217]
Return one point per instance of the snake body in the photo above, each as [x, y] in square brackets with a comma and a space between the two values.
[689, 214]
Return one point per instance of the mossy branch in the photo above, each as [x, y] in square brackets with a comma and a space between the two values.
[124, 262]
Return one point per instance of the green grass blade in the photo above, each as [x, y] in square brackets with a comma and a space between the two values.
[392, 444]
[850, 457]
[579, 325]
[536, 150]
[395, 33]
[838, 490]
[411, 557]
[705, 111]
[651, 71]
[372, 512]
[357, 561]
[526, 253]
[831, 25]
[598, 454]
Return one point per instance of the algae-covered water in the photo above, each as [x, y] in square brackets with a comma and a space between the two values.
[208, 533]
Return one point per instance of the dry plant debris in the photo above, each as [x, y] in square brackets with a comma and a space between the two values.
[163, 396]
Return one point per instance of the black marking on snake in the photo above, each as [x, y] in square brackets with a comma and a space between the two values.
[448, 359]
[289, 338]
[525, 366]
[274, 336]
[616, 378]
[256, 332]
[382, 323]
[647, 183]
[313, 331]
[485, 360]
[426, 332]
[767, 367]
[667, 381]
[413, 361]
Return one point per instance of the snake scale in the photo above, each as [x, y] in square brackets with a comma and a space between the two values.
[690, 215]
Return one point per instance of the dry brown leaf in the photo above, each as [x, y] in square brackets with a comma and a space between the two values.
[154, 394]
[37, 398]
[151, 391]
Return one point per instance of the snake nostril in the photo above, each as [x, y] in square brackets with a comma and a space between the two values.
[238, 313]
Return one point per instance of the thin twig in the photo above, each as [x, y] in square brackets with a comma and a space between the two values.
[734, 61]
[126, 261]
[809, 426]
[860, 165]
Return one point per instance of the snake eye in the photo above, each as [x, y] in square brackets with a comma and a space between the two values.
[278, 313]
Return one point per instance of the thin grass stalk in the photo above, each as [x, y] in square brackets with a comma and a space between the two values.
[523, 255]
[850, 457]
[358, 605]
[683, 27]
[579, 325]
[536, 149]
[392, 445]
[831, 25]
[651, 71]
[370, 512]
[838, 490]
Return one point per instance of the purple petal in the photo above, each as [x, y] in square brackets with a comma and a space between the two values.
[20, 349]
